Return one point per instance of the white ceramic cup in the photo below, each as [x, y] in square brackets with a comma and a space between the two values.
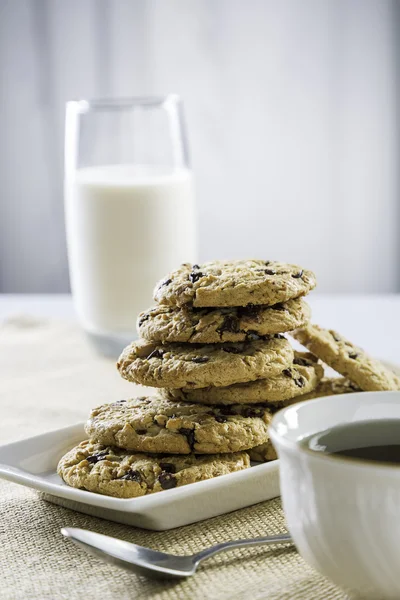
[343, 514]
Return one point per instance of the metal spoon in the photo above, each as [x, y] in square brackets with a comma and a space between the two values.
[151, 562]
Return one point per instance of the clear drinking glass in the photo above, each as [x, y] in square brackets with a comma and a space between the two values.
[129, 207]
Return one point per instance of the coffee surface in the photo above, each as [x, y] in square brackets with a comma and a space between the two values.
[373, 441]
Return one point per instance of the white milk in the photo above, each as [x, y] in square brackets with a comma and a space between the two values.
[127, 226]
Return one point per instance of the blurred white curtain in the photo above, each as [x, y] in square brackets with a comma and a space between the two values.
[292, 114]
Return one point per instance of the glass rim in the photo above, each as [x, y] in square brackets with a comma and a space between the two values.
[84, 105]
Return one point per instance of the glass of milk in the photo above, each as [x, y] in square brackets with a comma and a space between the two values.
[129, 208]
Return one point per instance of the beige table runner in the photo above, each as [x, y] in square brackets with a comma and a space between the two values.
[50, 377]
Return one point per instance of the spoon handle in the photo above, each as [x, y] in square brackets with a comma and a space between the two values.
[258, 541]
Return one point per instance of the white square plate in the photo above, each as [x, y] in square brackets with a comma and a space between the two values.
[33, 462]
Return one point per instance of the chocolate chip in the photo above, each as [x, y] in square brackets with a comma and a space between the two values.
[118, 402]
[95, 458]
[195, 276]
[251, 412]
[270, 272]
[232, 349]
[221, 418]
[189, 434]
[167, 481]
[278, 306]
[299, 381]
[197, 267]
[143, 319]
[335, 336]
[163, 283]
[167, 467]
[267, 262]
[200, 359]
[353, 355]
[155, 354]
[132, 475]
[301, 361]
[287, 372]
[251, 311]
[298, 275]
[230, 323]
[141, 431]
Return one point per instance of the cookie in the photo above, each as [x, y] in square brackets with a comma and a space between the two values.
[263, 453]
[161, 426]
[116, 472]
[347, 359]
[214, 325]
[196, 366]
[329, 386]
[301, 377]
[234, 283]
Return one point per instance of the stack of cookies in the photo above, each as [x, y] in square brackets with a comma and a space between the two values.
[214, 349]
[214, 346]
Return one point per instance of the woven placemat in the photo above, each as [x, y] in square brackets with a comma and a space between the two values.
[50, 377]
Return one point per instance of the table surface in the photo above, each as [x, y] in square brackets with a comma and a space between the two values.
[372, 321]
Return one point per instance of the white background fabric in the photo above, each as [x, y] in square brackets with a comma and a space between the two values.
[292, 112]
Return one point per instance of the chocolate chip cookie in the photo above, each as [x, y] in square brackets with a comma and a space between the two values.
[234, 283]
[195, 365]
[263, 453]
[116, 472]
[347, 359]
[329, 386]
[213, 325]
[158, 425]
[302, 376]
